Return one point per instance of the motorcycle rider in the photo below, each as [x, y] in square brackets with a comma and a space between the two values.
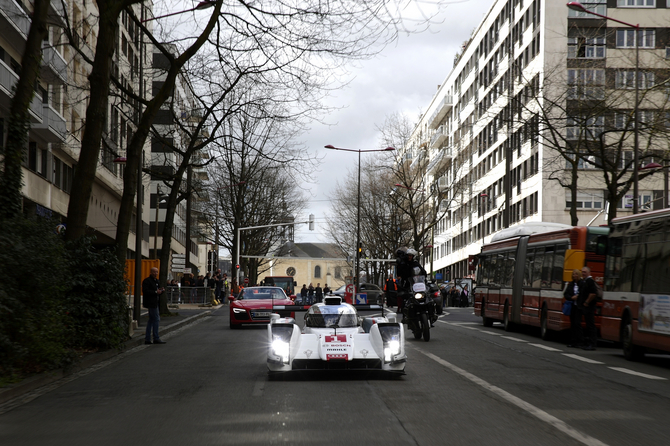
[407, 267]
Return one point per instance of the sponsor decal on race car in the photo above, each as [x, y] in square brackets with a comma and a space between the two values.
[336, 338]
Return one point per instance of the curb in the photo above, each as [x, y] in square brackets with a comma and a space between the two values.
[34, 382]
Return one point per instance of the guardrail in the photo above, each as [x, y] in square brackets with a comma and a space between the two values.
[188, 295]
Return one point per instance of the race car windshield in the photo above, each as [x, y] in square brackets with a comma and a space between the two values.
[330, 317]
[261, 293]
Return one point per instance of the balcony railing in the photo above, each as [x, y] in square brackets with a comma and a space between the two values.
[53, 126]
[54, 67]
[8, 79]
[442, 108]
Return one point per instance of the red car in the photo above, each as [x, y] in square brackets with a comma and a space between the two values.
[254, 305]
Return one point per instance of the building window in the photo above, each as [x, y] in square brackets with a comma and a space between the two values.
[625, 79]
[585, 200]
[625, 38]
[317, 271]
[586, 47]
[636, 3]
[584, 127]
[586, 84]
[338, 272]
[597, 6]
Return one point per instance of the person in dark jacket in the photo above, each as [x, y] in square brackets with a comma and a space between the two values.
[318, 292]
[151, 291]
[465, 297]
[391, 290]
[407, 267]
[303, 294]
[571, 294]
[587, 303]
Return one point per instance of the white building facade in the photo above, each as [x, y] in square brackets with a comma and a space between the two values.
[493, 166]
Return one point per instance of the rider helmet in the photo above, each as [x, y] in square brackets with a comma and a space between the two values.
[411, 252]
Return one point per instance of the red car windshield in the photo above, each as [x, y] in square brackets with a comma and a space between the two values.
[262, 293]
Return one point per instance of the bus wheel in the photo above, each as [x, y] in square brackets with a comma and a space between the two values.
[506, 322]
[487, 321]
[631, 351]
[545, 333]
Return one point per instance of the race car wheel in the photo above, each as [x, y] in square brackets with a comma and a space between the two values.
[425, 327]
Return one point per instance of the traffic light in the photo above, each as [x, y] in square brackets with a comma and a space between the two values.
[311, 222]
[360, 250]
[237, 267]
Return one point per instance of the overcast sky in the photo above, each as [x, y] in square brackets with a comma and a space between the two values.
[402, 79]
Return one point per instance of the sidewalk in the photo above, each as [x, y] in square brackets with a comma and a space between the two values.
[183, 316]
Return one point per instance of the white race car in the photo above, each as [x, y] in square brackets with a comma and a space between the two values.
[336, 338]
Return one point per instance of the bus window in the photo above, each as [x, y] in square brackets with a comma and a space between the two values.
[613, 265]
[509, 269]
[557, 272]
[537, 267]
[653, 267]
[528, 270]
[499, 275]
[545, 278]
[482, 277]
[632, 264]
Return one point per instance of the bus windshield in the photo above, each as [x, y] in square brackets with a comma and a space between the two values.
[286, 283]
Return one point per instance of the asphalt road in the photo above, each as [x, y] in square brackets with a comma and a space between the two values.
[469, 385]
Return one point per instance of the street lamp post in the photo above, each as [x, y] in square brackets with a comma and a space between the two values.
[202, 5]
[358, 206]
[576, 6]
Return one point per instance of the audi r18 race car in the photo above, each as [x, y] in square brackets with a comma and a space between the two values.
[334, 337]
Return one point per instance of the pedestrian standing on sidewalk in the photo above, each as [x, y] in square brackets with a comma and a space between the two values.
[151, 291]
[586, 301]
[318, 292]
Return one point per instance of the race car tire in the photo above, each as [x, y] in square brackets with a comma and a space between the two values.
[425, 327]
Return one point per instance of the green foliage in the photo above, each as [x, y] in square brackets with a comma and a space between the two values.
[55, 299]
[32, 323]
[96, 301]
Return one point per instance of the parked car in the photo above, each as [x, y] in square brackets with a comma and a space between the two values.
[375, 294]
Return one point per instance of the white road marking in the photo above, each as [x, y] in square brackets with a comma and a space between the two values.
[581, 358]
[633, 372]
[491, 333]
[551, 349]
[513, 339]
[535, 411]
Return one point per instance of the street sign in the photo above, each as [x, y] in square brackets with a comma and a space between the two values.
[187, 270]
[179, 261]
[361, 299]
[246, 281]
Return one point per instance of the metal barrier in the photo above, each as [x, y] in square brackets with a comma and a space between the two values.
[188, 295]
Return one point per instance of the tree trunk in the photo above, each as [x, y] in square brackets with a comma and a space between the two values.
[18, 124]
[96, 115]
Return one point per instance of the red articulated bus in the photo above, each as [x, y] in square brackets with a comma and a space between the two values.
[522, 272]
[636, 300]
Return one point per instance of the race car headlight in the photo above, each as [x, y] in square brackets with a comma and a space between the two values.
[239, 310]
[418, 296]
[391, 338]
[281, 341]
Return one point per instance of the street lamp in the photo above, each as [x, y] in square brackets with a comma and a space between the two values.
[358, 206]
[202, 5]
[576, 6]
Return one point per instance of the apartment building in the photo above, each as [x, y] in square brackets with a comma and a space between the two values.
[488, 147]
[58, 118]
[175, 128]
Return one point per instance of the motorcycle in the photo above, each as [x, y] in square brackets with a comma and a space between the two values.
[419, 311]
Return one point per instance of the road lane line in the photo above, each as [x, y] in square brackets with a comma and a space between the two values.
[535, 411]
[633, 372]
[545, 347]
[513, 339]
[581, 358]
[490, 333]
